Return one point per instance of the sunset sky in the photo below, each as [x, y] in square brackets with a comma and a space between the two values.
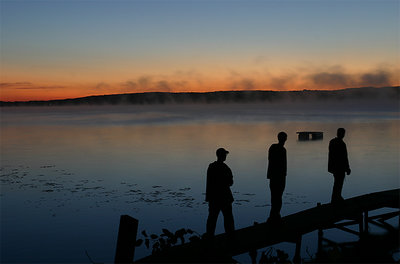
[65, 49]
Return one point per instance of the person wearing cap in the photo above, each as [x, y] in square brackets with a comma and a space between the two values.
[338, 164]
[218, 193]
[276, 173]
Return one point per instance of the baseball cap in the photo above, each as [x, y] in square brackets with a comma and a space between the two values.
[221, 151]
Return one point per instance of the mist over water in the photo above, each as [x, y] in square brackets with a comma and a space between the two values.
[68, 173]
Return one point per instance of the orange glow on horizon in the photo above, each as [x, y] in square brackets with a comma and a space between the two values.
[36, 90]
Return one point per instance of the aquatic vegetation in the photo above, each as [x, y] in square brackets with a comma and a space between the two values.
[167, 239]
[272, 255]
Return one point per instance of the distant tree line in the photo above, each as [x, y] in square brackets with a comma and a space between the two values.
[363, 93]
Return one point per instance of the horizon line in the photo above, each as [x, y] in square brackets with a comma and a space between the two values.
[195, 92]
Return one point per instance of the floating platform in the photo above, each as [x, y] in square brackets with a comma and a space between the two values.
[310, 135]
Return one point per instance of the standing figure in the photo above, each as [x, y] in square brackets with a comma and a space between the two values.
[338, 164]
[277, 170]
[218, 193]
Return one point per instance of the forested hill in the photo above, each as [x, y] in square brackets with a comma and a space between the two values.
[363, 94]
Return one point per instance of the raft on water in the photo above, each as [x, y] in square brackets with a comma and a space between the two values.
[315, 135]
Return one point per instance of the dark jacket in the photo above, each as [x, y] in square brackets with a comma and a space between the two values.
[277, 163]
[219, 180]
[337, 160]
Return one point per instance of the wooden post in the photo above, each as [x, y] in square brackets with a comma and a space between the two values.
[128, 227]
[297, 256]
[320, 234]
[253, 256]
[360, 224]
[366, 222]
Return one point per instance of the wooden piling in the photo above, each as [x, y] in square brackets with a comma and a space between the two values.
[320, 238]
[253, 256]
[126, 241]
[320, 234]
[360, 224]
[366, 222]
[297, 254]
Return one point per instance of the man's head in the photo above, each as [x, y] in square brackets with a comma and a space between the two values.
[221, 154]
[341, 132]
[282, 137]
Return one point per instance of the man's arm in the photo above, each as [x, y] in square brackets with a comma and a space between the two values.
[208, 184]
[348, 171]
[285, 162]
[230, 176]
[331, 154]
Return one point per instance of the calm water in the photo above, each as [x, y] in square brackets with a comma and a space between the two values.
[67, 174]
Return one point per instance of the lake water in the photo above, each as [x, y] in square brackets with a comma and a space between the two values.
[68, 173]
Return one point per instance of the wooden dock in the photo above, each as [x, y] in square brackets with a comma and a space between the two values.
[222, 247]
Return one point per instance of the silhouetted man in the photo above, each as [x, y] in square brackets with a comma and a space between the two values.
[338, 164]
[277, 169]
[218, 193]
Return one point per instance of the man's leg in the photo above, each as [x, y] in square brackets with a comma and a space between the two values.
[213, 211]
[228, 218]
[337, 187]
[280, 186]
[274, 199]
[277, 186]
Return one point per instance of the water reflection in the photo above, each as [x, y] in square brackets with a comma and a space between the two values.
[65, 181]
